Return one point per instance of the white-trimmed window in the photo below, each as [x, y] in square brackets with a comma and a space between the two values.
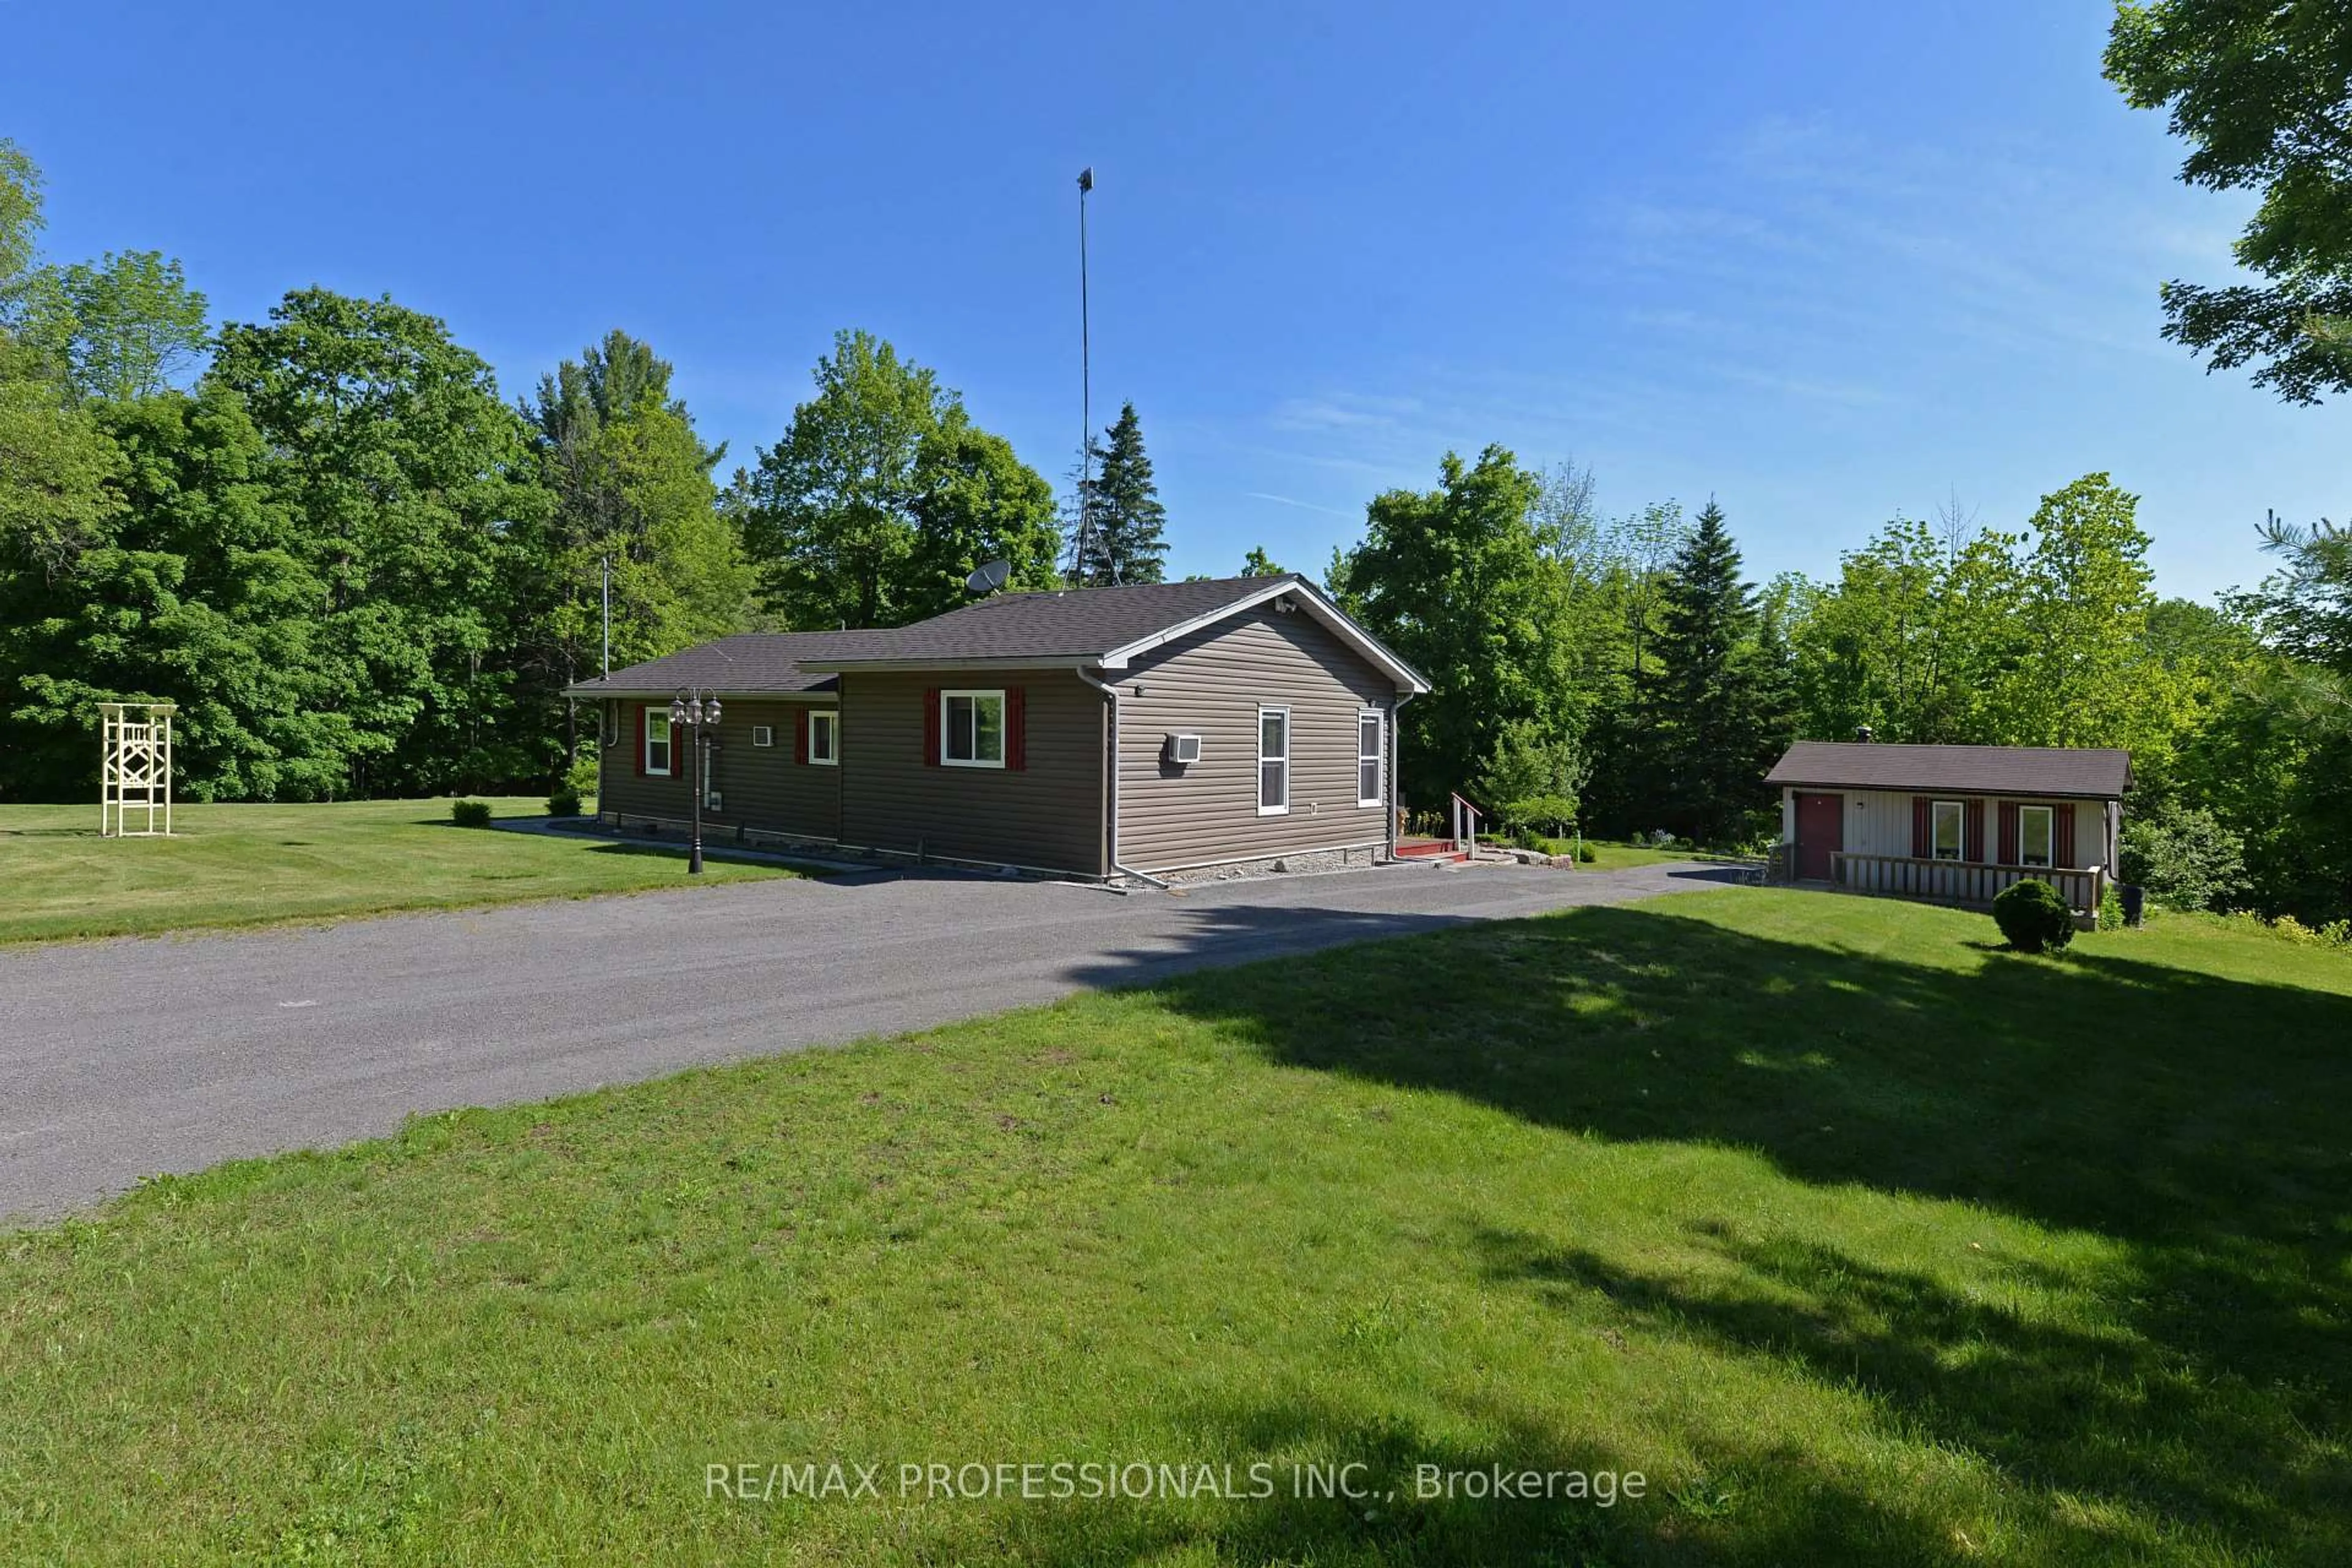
[1273, 761]
[971, 729]
[825, 736]
[763, 735]
[1945, 842]
[657, 746]
[2036, 834]
[1371, 729]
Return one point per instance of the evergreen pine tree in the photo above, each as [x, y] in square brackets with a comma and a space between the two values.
[1704, 692]
[1118, 527]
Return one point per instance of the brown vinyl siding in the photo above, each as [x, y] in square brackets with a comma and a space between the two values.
[1048, 814]
[1212, 684]
[760, 788]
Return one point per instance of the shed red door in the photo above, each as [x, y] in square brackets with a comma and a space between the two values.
[1821, 827]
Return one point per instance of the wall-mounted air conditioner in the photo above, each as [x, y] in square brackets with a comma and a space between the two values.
[1181, 750]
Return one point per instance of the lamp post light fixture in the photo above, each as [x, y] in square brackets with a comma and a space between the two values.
[693, 711]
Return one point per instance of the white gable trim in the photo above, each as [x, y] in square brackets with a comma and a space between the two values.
[1311, 599]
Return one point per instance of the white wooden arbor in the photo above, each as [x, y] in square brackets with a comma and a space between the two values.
[135, 769]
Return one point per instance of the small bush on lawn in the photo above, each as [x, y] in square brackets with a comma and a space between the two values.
[470, 813]
[2033, 917]
[1586, 855]
[563, 803]
[580, 779]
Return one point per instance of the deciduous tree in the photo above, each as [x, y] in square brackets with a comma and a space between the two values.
[2261, 95]
[829, 510]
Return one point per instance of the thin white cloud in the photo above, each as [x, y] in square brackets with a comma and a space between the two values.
[1302, 505]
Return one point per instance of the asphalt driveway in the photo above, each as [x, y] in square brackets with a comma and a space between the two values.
[122, 1058]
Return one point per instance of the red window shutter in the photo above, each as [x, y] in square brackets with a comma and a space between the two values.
[931, 728]
[2062, 833]
[641, 740]
[1972, 831]
[801, 735]
[1923, 827]
[1016, 727]
[2009, 833]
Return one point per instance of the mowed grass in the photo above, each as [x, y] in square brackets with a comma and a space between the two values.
[1608, 857]
[245, 865]
[1613, 857]
[1863, 1242]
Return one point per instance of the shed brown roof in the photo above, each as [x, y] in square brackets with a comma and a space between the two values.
[2085, 772]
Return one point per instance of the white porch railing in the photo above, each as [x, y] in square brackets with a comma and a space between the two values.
[1466, 827]
[1961, 881]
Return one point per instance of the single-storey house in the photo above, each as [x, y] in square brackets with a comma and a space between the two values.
[1952, 824]
[1100, 732]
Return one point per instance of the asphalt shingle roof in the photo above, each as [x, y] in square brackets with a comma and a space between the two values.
[2096, 772]
[1073, 624]
[750, 662]
[1064, 623]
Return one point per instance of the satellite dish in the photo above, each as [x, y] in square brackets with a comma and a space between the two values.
[988, 578]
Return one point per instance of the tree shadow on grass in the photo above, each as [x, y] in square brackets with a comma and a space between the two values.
[2200, 1123]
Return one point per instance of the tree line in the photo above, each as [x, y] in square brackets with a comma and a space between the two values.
[1624, 676]
[359, 570]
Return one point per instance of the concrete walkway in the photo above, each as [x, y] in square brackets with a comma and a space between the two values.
[126, 1057]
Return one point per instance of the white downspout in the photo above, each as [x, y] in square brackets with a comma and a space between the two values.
[1110, 781]
[1396, 757]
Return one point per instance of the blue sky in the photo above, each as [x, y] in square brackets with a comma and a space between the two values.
[1824, 262]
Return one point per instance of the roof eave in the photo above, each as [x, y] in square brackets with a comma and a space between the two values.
[1884, 786]
[1022, 661]
[591, 690]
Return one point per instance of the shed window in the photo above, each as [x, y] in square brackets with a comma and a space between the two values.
[1273, 761]
[825, 736]
[971, 729]
[1947, 830]
[658, 747]
[763, 735]
[2033, 834]
[1369, 730]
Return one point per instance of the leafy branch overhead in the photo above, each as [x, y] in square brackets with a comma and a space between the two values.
[2262, 97]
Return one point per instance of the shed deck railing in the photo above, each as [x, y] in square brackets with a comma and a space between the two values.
[1961, 881]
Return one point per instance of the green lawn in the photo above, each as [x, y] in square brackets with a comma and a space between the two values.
[1609, 856]
[244, 865]
[1866, 1243]
[1617, 857]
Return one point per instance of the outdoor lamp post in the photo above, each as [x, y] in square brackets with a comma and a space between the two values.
[691, 710]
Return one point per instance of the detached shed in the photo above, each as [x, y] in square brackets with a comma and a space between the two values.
[1951, 824]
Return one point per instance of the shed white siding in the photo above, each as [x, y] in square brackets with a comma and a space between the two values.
[1878, 822]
